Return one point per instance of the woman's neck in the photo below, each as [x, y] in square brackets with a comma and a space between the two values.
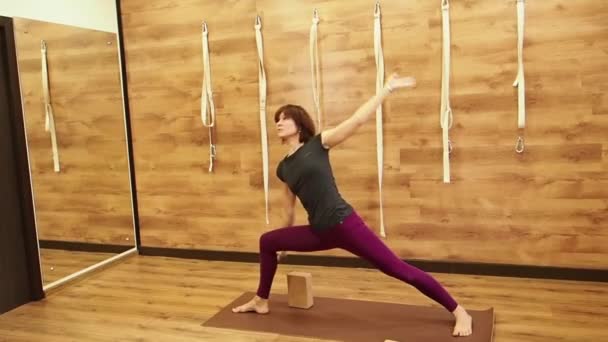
[293, 143]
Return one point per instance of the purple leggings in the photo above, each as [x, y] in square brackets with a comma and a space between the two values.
[354, 236]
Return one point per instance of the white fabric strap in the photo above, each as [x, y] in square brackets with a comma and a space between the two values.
[379, 55]
[49, 121]
[446, 118]
[520, 82]
[314, 66]
[207, 105]
[263, 89]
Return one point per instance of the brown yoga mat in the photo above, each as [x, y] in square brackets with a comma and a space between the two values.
[354, 321]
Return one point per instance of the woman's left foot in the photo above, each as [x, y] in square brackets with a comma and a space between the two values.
[257, 304]
[464, 322]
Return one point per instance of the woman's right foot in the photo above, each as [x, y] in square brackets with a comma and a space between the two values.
[464, 322]
[257, 304]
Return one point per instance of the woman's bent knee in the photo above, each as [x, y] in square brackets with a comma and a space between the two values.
[267, 242]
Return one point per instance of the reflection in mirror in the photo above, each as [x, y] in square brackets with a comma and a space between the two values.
[75, 127]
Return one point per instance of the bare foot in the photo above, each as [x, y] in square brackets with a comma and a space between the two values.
[464, 322]
[257, 304]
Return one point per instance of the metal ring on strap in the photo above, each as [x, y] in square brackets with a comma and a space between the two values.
[49, 121]
[519, 145]
[262, 94]
[207, 105]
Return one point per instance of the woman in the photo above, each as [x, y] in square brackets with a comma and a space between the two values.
[333, 223]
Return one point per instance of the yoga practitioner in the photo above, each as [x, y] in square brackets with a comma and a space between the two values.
[333, 223]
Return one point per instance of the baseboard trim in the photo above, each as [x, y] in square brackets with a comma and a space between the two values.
[471, 268]
[83, 246]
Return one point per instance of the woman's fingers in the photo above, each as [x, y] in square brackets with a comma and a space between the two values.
[406, 82]
[394, 81]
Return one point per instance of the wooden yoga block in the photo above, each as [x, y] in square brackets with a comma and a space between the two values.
[299, 290]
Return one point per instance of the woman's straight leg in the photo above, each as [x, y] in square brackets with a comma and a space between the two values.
[357, 238]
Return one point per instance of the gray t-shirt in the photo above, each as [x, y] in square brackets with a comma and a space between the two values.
[308, 174]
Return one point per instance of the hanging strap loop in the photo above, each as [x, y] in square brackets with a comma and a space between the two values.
[446, 116]
[314, 66]
[262, 94]
[49, 120]
[207, 105]
[379, 57]
[520, 81]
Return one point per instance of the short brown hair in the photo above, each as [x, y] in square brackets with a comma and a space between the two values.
[301, 118]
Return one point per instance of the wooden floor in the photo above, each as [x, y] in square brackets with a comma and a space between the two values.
[57, 264]
[164, 299]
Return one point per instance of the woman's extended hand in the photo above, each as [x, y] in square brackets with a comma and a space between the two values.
[396, 82]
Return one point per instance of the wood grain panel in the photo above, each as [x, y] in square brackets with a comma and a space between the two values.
[90, 199]
[545, 207]
[153, 298]
[56, 264]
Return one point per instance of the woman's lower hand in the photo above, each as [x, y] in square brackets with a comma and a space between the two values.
[396, 82]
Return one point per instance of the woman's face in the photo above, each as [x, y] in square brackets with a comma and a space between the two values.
[286, 127]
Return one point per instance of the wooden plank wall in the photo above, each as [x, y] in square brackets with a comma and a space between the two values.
[545, 207]
[90, 199]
